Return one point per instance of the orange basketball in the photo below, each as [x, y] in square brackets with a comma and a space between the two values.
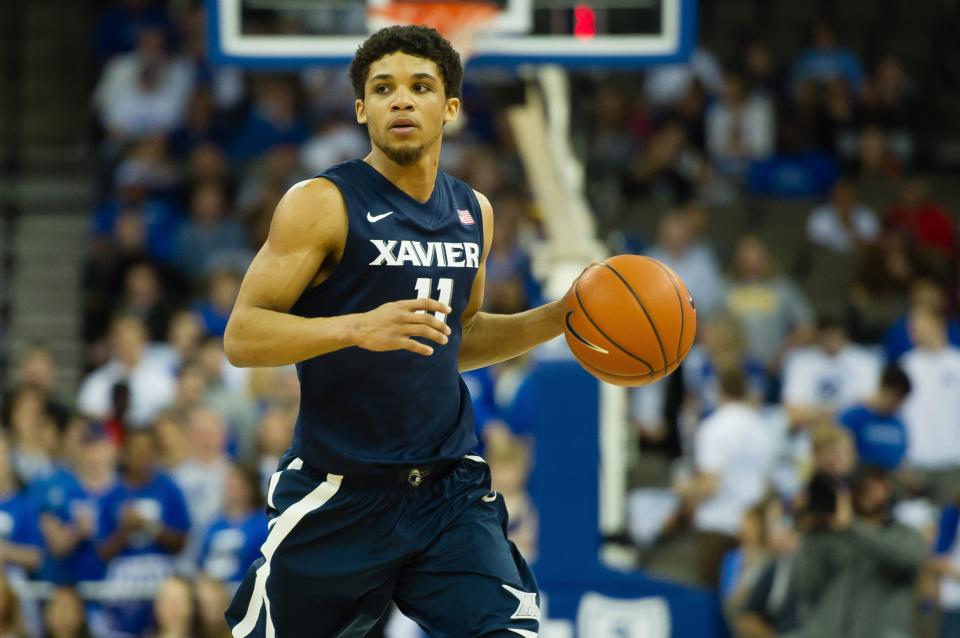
[629, 320]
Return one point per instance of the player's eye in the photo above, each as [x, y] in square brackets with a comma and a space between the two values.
[381, 89]
[420, 88]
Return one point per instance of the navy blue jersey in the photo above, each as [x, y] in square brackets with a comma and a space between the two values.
[362, 411]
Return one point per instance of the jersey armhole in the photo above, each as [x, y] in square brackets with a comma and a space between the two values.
[339, 185]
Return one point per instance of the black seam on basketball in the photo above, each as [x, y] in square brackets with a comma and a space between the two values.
[679, 299]
[589, 368]
[576, 292]
[653, 326]
[578, 336]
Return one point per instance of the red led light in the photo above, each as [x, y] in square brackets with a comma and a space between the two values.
[584, 22]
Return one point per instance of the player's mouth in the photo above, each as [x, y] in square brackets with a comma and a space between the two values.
[403, 126]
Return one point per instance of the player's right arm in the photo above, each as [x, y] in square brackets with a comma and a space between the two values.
[308, 231]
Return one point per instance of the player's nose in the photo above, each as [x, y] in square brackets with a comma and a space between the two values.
[402, 100]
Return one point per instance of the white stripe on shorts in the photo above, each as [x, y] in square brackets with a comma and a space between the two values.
[474, 457]
[295, 464]
[280, 530]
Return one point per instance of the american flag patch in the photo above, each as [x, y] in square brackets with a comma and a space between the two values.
[465, 216]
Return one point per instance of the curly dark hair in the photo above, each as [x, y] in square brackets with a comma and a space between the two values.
[417, 40]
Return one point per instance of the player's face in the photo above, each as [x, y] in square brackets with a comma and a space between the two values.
[405, 106]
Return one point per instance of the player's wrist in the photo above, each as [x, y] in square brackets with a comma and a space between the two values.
[345, 332]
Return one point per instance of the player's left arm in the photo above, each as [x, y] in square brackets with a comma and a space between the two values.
[487, 338]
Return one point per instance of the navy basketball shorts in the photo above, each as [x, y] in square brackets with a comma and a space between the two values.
[339, 551]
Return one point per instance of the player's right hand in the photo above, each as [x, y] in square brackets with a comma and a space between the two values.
[393, 325]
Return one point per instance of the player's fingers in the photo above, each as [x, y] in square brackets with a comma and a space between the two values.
[415, 346]
[431, 321]
[428, 304]
[421, 330]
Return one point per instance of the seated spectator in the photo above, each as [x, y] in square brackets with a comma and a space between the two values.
[71, 505]
[154, 227]
[232, 540]
[821, 380]
[509, 462]
[843, 224]
[826, 60]
[932, 409]
[692, 260]
[20, 540]
[834, 453]
[201, 126]
[212, 598]
[145, 92]
[877, 429]
[891, 103]
[151, 385]
[733, 456]
[898, 339]
[202, 475]
[36, 369]
[122, 20]
[774, 312]
[173, 443]
[174, 610]
[273, 121]
[145, 298]
[740, 126]
[742, 565]
[148, 164]
[770, 606]
[33, 436]
[65, 615]
[211, 241]
[214, 310]
[925, 220]
[668, 171]
[880, 293]
[274, 433]
[142, 527]
[184, 334]
[856, 568]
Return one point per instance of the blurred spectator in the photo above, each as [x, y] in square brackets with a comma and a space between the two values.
[20, 541]
[144, 298]
[65, 615]
[214, 310]
[211, 241]
[509, 462]
[741, 565]
[775, 314]
[834, 453]
[760, 69]
[826, 60]
[143, 526]
[877, 429]
[148, 165]
[144, 92]
[898, 339]
[227, 389]
[822, 380]
[273, 121]
[733, 456]
[212, 598]
[692, 260]
[856, 568]
[932, 410]
[201, 127]
[740, 126]
[668, 171]
[11, 615]
[175, 610]
[274, 433]
[769, 607]
[120, 24]
[72, 504]
[184, 334]
[890, 102]
[34, 435]
[333, 141]
[667, 84]
[880, 293]
[173, 443]
[843, 224]
[37, 370]
[232, 540]
[150, 224]
[925, 220]
[202, 475]
[151, 385]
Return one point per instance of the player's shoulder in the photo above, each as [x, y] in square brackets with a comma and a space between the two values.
[310, 210]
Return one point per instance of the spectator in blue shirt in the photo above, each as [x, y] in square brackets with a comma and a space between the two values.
[826, 60]
[142, 527]
[879, 433]
[72, 505]
[233, 540]
[273, 121]
[20, 540]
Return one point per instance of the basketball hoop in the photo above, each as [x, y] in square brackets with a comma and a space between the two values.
[457, 20]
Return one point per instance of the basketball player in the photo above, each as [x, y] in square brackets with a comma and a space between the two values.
[371, 281]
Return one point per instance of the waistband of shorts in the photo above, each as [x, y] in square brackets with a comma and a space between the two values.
[407, 476]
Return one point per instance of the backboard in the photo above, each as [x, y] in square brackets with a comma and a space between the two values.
[620, 33]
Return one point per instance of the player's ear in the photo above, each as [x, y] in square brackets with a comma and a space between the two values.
[361, 112]
[452, 110]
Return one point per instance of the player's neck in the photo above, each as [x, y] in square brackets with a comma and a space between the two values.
[416, 180]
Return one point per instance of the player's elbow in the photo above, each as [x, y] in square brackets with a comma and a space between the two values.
[236, 348]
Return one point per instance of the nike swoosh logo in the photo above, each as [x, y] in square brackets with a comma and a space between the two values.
[581, 339]
[375, 218]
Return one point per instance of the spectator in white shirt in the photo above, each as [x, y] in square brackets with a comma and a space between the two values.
[842, 224]
[822, 380]
[151, 383]
[733, 455]
[740, 127]
[932, 410]
[692, 260]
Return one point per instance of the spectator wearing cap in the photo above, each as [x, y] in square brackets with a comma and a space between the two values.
[142, 528]
[932, 410]
[879, 432]
[821, 380]
[151, 384]
[733, 457]
[855, 572]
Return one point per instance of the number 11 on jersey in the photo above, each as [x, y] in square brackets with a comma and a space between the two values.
[424, 289]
